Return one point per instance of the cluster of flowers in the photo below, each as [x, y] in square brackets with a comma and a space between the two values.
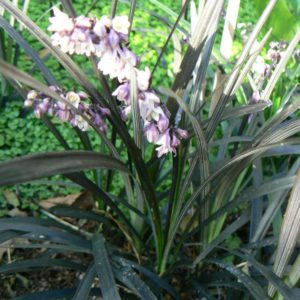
[106, 39]
[245, 30]
[154, 114]
[275, 51]
[263, 70]
[42, 104]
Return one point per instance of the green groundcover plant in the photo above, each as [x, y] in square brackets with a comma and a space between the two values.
[208, 204]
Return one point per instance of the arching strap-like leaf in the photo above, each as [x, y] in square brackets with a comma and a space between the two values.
[136, 116]
[205, 23]
[289, 232]
[254, 288]
[9, 234]
[236, 112]
[202, 147]
[35, 166]
[283, 289]
[78, 213]
[85, 286]
[274, 207]
[66, 293]
[229, 88]
[32, 53]
[40, 232]
[104, 269]
[229, 230]
[154, 278]
[129, 278]
[27, 265]
[57, 248]
[203, 291]
[278, 283]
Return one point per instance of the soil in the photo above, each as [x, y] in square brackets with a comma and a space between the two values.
[24, 283]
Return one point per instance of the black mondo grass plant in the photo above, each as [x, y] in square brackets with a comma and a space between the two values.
[208, 206]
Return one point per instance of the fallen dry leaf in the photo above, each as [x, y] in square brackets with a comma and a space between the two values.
[66, 200]
[3, 248]
[11, 198]
[16, 212]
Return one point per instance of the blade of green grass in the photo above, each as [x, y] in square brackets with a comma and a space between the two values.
[283, 131]
[283, 289]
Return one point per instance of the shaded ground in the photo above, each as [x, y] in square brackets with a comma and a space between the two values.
[17, 284]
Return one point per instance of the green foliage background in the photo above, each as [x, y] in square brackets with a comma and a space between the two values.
[285, 18]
